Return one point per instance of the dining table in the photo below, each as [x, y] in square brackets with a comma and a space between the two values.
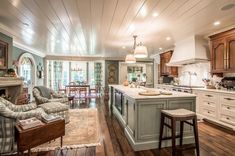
[67, 87]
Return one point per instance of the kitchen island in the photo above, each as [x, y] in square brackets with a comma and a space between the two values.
[140, 115]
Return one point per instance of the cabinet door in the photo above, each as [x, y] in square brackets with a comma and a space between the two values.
[219, 56]
[148, 126]
[130, 104]
[231, 53]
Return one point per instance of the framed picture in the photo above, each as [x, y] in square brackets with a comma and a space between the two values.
[3, 54]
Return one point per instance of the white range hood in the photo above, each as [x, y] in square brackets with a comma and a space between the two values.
[191, 50]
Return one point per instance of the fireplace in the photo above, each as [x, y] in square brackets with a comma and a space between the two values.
[3, 92]
[10, 88]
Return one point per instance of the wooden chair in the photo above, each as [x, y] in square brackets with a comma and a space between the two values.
[183, 116]
[73, 90]
[82, 91]
[61, 89]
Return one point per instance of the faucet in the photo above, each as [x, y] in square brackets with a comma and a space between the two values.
[190, 75]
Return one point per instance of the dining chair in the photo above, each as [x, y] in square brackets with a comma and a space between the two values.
[72, 89]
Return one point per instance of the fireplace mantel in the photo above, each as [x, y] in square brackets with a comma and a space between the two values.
[10, 81]
[13, 87]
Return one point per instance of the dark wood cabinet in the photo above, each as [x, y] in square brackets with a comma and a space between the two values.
[223, 52]
[164, 69]
[231, 53]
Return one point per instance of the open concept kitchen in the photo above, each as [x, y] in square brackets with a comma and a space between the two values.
[117, 77]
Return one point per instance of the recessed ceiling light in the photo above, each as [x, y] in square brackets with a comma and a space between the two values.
[155, 14]
[227, 7]
[168, 38]
[160, 48]
[216, 23]
[123, 47]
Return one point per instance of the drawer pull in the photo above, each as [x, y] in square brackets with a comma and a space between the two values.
[228, 107]
[208, 103]
[209, 95]
[208, 112]
[227, 118]
[228, 99]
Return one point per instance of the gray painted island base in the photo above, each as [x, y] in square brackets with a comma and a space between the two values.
[140, 115]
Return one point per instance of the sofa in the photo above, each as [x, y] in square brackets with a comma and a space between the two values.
[10, 113]
[44, 95]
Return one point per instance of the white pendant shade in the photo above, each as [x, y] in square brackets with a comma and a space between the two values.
[141, 52]
[130, 58]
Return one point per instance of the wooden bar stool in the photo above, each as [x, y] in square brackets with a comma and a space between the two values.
[182, 115]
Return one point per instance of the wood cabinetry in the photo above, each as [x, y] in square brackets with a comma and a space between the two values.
[217, 107]
[164, 69]
[223, 52]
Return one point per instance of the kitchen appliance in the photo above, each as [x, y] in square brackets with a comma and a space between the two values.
[185, 88]
[167, 79]
[195, 48]
[228, 82]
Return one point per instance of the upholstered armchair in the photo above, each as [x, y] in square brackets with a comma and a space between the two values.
[9, 114]
[44, 95]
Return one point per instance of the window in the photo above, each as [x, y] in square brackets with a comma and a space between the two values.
[60, 73]
[26, 69]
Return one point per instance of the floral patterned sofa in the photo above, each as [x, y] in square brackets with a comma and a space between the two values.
[10, 113]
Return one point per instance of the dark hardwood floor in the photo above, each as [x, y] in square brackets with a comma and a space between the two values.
[214, 141]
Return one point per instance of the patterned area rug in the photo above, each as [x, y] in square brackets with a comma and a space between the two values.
[83, 130]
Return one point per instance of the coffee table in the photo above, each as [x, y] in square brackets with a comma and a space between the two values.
[29, 138]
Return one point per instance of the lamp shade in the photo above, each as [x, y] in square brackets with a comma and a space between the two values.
[130, 58]
[141, 52]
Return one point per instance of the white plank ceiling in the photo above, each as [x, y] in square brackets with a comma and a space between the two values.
[104, 27]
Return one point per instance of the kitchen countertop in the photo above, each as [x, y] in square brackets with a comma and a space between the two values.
[179, 86]
[134, 92]
[216, 90]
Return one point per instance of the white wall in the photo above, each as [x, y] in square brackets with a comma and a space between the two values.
[201, 69]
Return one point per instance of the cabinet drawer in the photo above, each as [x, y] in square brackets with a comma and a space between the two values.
[228, 99]
[228, 119]
[210, 97]
[208, 112]
[228, 109]
[206, 103]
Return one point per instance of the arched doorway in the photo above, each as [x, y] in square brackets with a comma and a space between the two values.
[27, 70]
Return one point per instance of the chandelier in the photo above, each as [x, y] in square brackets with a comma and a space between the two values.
[140, 51]
[130, 58]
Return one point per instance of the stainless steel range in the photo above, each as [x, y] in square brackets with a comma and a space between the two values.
[184, 88]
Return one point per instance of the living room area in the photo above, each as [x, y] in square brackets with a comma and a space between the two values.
[49, 105]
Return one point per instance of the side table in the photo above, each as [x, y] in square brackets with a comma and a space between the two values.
[29, 138]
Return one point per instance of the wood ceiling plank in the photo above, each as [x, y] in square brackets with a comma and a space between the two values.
[97, 7]
[78, 40]
[53, 18]
[28, 34]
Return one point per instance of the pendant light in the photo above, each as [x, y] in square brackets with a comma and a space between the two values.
[140, 51]
[130, 58]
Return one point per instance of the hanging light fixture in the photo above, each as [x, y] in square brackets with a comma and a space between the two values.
[140, 51]
[130, 58]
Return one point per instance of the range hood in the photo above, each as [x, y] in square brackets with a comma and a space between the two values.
[191, 50]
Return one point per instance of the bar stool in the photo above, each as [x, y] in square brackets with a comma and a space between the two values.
[183, 116]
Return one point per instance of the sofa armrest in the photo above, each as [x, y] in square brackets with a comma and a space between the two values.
[57, 95]
[26, 107]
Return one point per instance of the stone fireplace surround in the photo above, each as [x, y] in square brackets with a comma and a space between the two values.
[11, 87]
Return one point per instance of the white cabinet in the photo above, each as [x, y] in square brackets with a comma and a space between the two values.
[216, 106]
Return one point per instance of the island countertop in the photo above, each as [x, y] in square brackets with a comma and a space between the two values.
[134, 92]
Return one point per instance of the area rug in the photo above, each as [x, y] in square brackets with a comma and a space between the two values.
[83, 130]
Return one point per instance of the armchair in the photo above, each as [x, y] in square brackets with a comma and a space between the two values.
[9, 114]
[44, 95]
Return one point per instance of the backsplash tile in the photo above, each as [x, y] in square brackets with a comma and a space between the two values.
[201, 69]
